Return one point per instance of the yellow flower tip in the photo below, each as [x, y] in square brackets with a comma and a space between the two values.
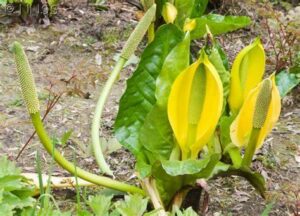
[169, 12]
[247, 71]
[195, 105]
[189, 25]
[260, 110]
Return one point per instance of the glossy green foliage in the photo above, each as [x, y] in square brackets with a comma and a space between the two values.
[139, 97]
[128, 207]
[286, 82]
[15, 192]
[157, 124]
[189, 9]
[219, 24]
[100, 204]
[186, 167]
[167, 185]
[173, 175]
[219, 59]
[159, 4]
[199, 8]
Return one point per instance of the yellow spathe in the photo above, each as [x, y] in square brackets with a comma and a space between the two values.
[169, 12]
[242, 126]
[189, 25]
[247, 71]
[195, 105]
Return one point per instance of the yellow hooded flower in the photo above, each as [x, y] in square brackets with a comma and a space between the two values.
[189, 25]
[260, 110]
[247, 71]
[169, 12]
[195, 105]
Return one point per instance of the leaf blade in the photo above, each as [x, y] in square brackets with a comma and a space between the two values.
[139, 97]
[219, 24]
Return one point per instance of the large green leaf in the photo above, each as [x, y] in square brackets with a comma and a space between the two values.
[186, 167]
[227, 145]
[199, 8]
[171, 176]
[139, 97]
[215, 57]
[159, 4]
[167, 185]
[184, 10]
[156, 134]
[219, 24]
[189, 9]
[285, 82]
[207, 171]
[224, 124]
[177, 60]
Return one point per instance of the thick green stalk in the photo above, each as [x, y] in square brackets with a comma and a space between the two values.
[31, 100]
[70, 167]
[129, 48]
[97, 117]
[235, 156]
[138, 33]
[250, 150]
[260, 115]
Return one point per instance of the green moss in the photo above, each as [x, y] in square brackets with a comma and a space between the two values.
[111, 36]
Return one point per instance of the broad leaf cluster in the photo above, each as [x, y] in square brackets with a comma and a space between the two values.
[187, 121]
[15, 192]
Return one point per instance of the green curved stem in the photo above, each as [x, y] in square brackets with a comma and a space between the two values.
[67, 165]
[97, 117]
[128, 49]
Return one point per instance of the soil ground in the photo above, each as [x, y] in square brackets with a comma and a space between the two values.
[82, 43]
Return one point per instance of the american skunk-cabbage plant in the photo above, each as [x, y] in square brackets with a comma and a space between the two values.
[182, 121]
